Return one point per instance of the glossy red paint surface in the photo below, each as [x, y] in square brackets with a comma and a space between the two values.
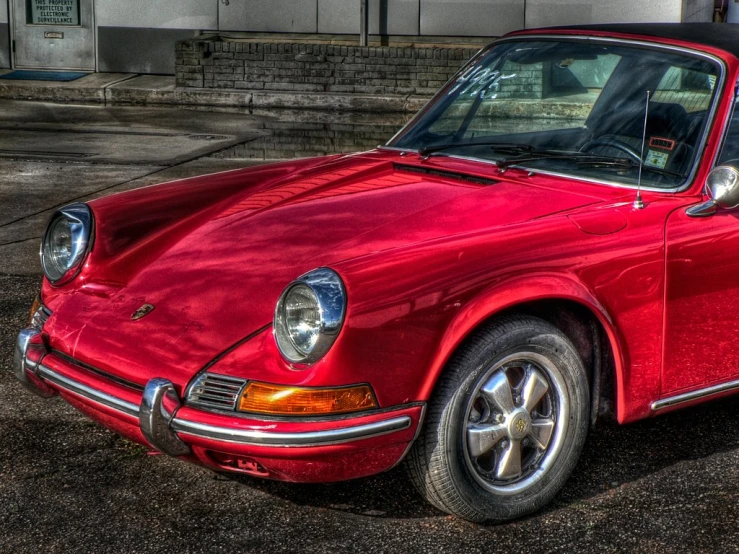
[702, 301]
[425, 259]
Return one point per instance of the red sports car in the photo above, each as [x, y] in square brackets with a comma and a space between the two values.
[552, 239]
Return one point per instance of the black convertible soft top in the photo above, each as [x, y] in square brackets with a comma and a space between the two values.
[719, 35]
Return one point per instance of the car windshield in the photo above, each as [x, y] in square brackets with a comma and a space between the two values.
[576, 108]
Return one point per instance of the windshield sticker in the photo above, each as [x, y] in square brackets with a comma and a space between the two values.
[663, 143]
[656, 159]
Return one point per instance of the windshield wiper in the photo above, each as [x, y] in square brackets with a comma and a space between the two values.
[522, 153]
[532, 155]
[584, 159]
[503, 147]
[625, 163]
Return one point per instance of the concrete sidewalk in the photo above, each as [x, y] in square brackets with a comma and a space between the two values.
[128, 88]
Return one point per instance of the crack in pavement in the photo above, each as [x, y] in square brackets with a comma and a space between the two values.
[18, 241]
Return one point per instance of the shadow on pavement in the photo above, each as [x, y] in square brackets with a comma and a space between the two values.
[614, 456]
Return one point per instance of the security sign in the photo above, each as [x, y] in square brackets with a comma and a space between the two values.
[54, 12]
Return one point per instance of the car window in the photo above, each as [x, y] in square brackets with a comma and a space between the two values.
[567, 99]
[730, 151]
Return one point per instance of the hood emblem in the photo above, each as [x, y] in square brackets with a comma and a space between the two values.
[143, 311]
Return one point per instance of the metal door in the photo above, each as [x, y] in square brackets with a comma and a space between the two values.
[53, 34]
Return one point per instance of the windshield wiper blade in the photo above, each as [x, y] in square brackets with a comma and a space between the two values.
[584, 159]
[625, 163]
[534, 155]
[503, 147]
[522, 153]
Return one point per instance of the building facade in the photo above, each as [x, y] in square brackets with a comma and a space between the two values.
[138, 36]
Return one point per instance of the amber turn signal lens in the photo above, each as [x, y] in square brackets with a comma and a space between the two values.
[34, 308]
[264, 398]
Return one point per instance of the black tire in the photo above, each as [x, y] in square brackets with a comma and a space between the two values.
[441, 463]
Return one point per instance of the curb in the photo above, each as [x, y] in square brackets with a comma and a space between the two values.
[156, 90]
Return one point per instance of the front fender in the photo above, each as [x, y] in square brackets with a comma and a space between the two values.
[517, 291]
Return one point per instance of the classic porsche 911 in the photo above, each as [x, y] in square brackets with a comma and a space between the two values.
[551, 240]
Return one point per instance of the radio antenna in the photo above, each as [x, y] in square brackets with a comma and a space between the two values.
[638, 203]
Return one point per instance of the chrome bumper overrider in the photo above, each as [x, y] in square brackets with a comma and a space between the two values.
[157, 413]
[22, 365]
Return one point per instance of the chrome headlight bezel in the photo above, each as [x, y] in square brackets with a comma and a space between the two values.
[330, 293]
[81, 223]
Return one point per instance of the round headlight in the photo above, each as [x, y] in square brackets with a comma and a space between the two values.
[302, 318]
[66, 243]
[309, 316]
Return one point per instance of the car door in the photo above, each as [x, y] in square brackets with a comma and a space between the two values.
[701, 326]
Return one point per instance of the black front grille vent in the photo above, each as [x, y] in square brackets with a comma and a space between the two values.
[445, 174]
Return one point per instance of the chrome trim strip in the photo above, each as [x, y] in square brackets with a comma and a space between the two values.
[694, 395]
[700, 148]
[228, 434]
[725, 128]
[330, 294]
[88, 392]
[311, 438]
[82, 231]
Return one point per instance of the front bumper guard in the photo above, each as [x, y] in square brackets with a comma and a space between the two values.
[157, 413]
[26, 359]
[159, 404]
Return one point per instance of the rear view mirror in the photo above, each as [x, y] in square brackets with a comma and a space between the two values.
[722, 187]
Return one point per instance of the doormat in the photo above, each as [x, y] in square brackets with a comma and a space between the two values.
[24, 75]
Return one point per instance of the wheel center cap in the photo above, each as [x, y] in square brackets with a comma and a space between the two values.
[519, 425]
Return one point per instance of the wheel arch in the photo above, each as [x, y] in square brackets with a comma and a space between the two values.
[567, 304]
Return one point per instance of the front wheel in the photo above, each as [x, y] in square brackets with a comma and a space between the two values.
[506, 424]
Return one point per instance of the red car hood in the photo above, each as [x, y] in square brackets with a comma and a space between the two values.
[219, 281]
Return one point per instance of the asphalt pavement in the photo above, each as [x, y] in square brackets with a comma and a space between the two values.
[669, 484]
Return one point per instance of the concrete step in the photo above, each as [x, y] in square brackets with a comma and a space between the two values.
[127, 89]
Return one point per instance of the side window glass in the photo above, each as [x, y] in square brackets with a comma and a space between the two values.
[730, 152]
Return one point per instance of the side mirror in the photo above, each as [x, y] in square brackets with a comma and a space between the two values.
[722, 187]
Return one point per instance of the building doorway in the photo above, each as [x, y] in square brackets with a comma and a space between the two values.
[53, 34]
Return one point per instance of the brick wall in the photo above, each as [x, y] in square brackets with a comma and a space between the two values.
[214, 63]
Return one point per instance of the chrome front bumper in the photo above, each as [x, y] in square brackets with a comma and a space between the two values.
[157, 411]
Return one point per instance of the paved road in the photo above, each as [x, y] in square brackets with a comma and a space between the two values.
[51, 155]
[666, 485]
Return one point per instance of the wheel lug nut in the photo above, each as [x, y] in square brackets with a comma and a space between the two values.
[525, 442]
[504, 444]
[499, 418]
[519, 400]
